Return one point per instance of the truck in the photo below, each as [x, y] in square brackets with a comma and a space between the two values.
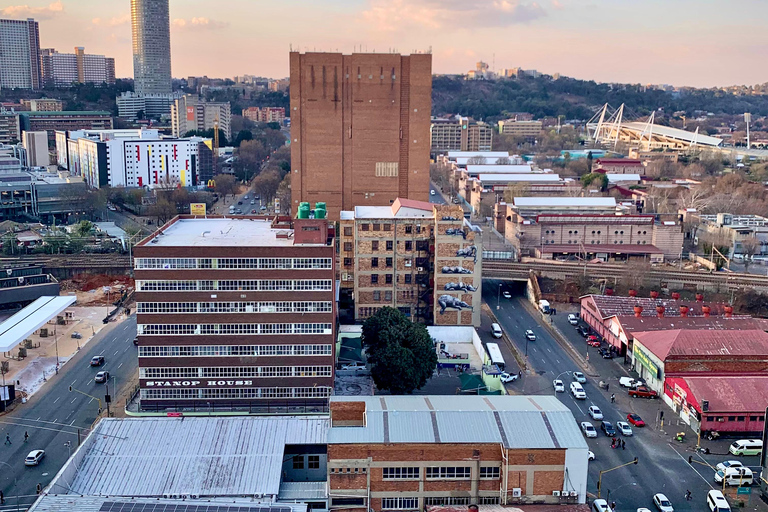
[643, 392]
[544, 306]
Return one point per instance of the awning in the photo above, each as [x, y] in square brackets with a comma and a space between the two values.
[14, 330]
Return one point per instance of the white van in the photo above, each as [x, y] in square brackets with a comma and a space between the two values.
[717, 502]
[735, 476]
[544, 306]
[746, 447]
[496, 330]
[601, 505]
[577, 391]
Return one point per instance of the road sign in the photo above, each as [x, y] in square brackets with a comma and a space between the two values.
[744, 490]
[197, 208]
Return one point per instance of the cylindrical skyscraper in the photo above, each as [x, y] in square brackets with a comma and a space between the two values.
[150, 21]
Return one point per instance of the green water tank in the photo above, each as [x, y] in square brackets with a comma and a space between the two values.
[303, 211]
[320, 211]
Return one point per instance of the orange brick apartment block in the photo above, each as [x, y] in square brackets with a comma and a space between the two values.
[407, 452]
[360, 128]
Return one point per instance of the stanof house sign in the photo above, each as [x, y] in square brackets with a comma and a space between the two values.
[192, 383]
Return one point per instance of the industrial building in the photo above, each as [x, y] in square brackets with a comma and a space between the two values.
[460, 134]
[190, 113]
[359, 128]
[422, 259]
[237, 312]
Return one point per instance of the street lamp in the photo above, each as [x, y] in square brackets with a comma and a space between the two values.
[498, 298]
[600, 479]
[15, 489]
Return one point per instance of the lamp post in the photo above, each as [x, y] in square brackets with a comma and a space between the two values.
[600, 479]
[15, 489]
[56, 342]
[498, 298]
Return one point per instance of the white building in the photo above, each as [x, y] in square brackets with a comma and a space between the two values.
[190, 113]
[66, 141]
[153, 105]
[36, 145]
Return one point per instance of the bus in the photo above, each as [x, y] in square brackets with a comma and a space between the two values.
[495, 355]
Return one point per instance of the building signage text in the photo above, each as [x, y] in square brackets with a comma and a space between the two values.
[192, 383]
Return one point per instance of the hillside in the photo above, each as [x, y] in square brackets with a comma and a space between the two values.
[577, 99]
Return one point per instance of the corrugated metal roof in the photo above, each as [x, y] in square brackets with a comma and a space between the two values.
[565, 201]
[729, 394]
[709, 343]
[70, 502]
[207, 456]
[514, 421]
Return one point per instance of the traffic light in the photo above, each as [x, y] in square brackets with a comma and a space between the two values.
[690, 460]
[635, 460]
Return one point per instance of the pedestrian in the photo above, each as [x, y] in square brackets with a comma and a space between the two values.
[607, 386]
[2, 498]
[623, 444]
[613, 443]
[8, 439]
[26, 436]
[613, 398]
[688, 496]
[613, 505]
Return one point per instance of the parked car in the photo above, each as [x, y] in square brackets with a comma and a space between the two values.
[746, 447]
[626, 382]
[263, 208]
[595, 412]
[573, 319]
[662, 503]
[741, 476]
[588, 429]
[431, 192]
[559, 386]
[592, 337]
[583, 330]
[530, 336]
[636, 420]
[102, 376]
[594, 343]
[579, 377]
[591, 455]
[239, 202]
[76, 335]
[356, 367]
[600, 505]
[607, 427]
[577, 391]
[717, 502]
[253, 210]
[507, 377]
[643, 392]
[607, 354]
[34, 457]
[624, 428]
[97, 360]
[728, 464]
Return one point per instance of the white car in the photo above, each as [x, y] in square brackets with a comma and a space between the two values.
[626, 382]
[595, 412]
[728, 464]
[662, 503]
[643, 509]
[624, 428]
[591, 455]
[577, 391]
[34, 457]
[507, 295]
[529, 335]
[579, 377]
[573, 319]
[431, 192]
[506, 377]
[588, 429]
[355, 367]
[559, 386]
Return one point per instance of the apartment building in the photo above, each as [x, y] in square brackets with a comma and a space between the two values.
[151, 35]
[459, 134]
[64, 69]
[265, 114]
[10, 129]
[19, 58]
[527, 129]
[419, 258]
[410, 452]
[43, 105]
[190, 113]
[359, 128]
[236, 312]
[131, 105]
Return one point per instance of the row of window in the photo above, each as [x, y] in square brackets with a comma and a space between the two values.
[235, 307]
[313, 462]
[235, 285]
[735, 418]
[615, 242]
[235, 393]
[236, 350]
[377, 226]
[235, 372]
[412, 502]
[232, 263]
[441, 473]
[229, 329]
[421, 245]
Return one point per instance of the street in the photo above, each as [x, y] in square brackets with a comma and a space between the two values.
[53, 415]
[662, 462]
[435, 197]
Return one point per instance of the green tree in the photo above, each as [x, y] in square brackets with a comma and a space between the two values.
[84, 228]
[242, 136]
[401, 353]
[595, 179]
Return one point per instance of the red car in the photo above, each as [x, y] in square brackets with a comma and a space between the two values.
[593, 343]
[592, 337]
[635, 420]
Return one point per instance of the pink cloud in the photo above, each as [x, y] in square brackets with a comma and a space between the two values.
[198, 23]
[39, 13]
[116, 21]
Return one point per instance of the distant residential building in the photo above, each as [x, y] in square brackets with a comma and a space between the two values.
[151, 105]
[64, 138]
[190, 113]
[527, 129]
[280, 85]
[619, 166]
[460, 134]
[482, 71]
[265, 114]
[64, 69]
[19, 54]
[36, 145]
[67, 120]
[520, 72]
[650, 156]
[735, 229]
[150, 21]
[43, 105]
[10, 130]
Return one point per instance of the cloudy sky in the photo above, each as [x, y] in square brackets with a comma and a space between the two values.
[680, 42]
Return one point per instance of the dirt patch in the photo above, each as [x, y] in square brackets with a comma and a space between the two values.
[99, 289]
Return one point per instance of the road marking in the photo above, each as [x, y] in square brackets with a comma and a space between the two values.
[121, 364]
[534, 349]
[73, 400]
[549, 350]
[693, 468]
[91, 400]
[73, 422]
[54, 421]
[38, 419]
[117, 352]
[57, 400]
[558, 361]
[73, 382]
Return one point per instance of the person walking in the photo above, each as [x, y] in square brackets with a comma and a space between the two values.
[26, 436]
[613, 443]
[688, 496]
[613, 398]
[8, 439]
[623, 444]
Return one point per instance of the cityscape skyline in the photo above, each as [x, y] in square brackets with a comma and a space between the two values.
[586, 41]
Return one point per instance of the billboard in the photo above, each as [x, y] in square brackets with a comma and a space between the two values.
[197, 208]
[190, 113]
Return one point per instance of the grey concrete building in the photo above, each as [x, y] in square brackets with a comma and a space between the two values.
[150, 22]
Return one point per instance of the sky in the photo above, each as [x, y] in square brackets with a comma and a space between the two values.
[700, 43]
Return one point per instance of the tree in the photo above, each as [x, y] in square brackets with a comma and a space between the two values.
[84, 228]
[284, 193]
[503, 161]
[273, 139]
[249, 158]
[749, 247]
[267, 183]
[477, 160]
[516, 189]
[241, 137]
[225, 185]
[401, 353]
[595, 179]
[163, 211]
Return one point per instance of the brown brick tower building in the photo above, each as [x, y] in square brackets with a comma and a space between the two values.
[359, 128]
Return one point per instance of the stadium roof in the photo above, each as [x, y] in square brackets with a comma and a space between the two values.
[14, 330]
[673, 133]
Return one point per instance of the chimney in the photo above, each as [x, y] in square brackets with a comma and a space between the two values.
[638, 311]
[654, 294]
[675, 296]
[699, 297]
[728, 311]
[706, 310]
[347, 414]
[684, 311]
[633, 293]
[660, 311]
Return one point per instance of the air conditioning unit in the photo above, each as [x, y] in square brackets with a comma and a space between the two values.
[557, 493]
[167, 496]
[517, 492]
[574, 494]
[194, 496]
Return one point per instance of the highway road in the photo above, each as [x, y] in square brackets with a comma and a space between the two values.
[53, 415]
[663, 463]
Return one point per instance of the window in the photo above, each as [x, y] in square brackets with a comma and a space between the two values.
[374, 262]
[408, 278]
[313, 462]
[375, 245]
[710, 418]
[376, 295]
[389, 262]
[408, 230]
[388, 278]
[374, 278]
[422, 245]
[347, 502]
[488, 500]
[400, 503]
[387, 169]
[298, 462]
[347, 231]
[376, 226]
[364, 227]
[490, 472]
[401, 473]
[347, 262]
[449, 473]
[740, 418]
[408, 245]
[390, 245]
[731, 418]
[348, 246]
[388, 296]
[447, 500]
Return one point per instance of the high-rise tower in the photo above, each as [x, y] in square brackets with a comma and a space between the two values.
[19, 54]
[150, 21]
